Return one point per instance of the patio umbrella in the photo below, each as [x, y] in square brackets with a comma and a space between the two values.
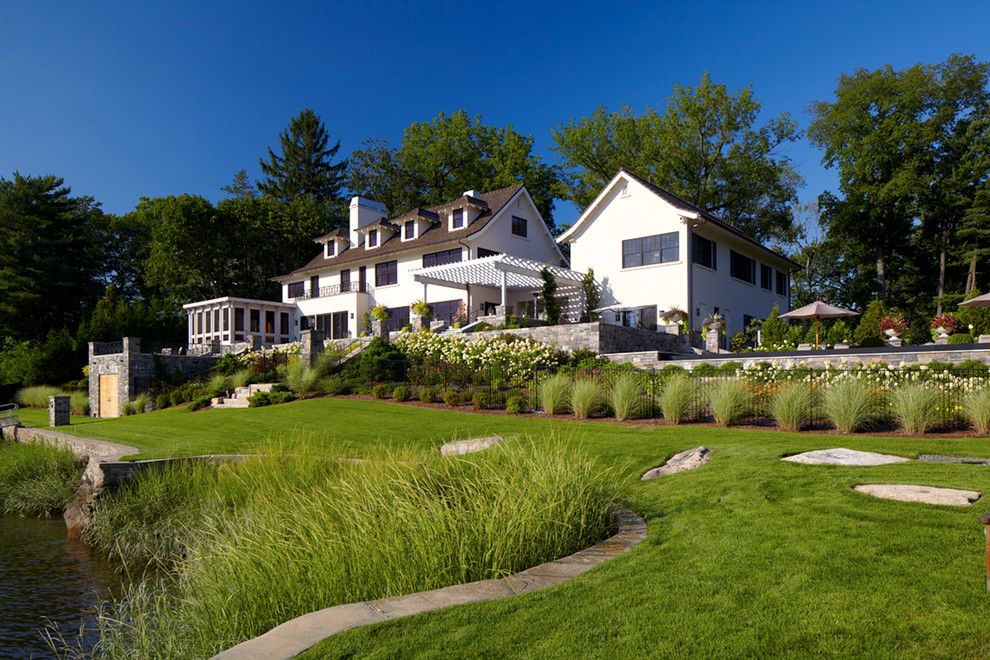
[978, 301]
[819, 310]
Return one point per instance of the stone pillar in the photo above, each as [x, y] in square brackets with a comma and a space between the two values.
[379, 329]
[58, 411]
[310, 346]
[711, 341]
[673, 328]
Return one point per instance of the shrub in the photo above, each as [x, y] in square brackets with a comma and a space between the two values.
[790, 407]
[453, 398]
[381, 391]
[730, 368]
[976, 407]
[177, 396]
[162, 402]
[141, 402]
[848, 404]
[587, 399]
[401, 393]
[868, 331]
[301, 378]
[678, 397]
[961, 338]
[972, 367]
[914, 406]
[554, 393]
[79, 402]
[729, 401]
[481, 399]
[256, 400]
[334, 385]
[240, 378]
[705, 369]
[515, 404]
[281, 397]
[203, 401]
[626, 397]
[427, 394]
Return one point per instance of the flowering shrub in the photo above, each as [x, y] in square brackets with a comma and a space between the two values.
[946, 321]
[515, 357]
[893, 323]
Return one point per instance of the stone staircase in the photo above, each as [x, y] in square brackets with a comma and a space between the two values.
[240, 397]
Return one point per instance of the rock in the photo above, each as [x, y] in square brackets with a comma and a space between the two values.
[469, 446]
[924, 494]
[968, 460]
[843, 456]
[682, 462]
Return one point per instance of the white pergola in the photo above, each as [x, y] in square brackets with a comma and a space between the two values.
[501, 271]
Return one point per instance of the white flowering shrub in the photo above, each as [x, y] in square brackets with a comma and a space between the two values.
[515, 358]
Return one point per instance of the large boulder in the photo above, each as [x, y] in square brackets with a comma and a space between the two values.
[682, 462]
[843, 456]
[923, 494]
[469, 446]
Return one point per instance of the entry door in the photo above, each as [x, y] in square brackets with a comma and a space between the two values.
[108, 395]
[340, 330]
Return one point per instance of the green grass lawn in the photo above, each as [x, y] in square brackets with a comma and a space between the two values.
[747, 556]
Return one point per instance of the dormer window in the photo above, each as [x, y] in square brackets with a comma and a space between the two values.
[373, 238]
[329, 249]
[409, 231]
[457, 219]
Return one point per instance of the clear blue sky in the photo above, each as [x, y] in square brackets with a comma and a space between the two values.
[131, 99]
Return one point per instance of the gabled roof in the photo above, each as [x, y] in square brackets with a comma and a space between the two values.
[418, 213]
[438, 235]
[679, 203]
[381, 223]
[336, 233]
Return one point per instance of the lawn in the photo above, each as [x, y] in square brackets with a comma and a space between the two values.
[747, 556]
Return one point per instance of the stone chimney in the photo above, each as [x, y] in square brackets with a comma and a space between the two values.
[364, 212]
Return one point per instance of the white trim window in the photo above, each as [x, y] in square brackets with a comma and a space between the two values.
[329, 249]
[520, 226]
[409, 231]
[650, 250]
[373, 238]
[457, 219]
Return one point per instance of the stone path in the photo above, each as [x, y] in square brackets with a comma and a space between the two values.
[937, 458]
[923, 494]
[843, 456]
[682, 462]
[295, 636]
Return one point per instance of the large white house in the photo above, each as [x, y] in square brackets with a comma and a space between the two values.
[476, 255]
[652, 251]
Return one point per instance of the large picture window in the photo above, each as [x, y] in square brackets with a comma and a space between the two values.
[662, 248]
[741, 267]
[386, 273]
[442, 257]
[703, 252]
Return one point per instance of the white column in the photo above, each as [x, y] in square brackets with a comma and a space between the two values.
[505, 287]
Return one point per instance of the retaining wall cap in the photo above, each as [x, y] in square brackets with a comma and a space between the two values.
[299, 634]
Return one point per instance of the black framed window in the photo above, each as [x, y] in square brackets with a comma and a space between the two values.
[458, 220]
[703, 252]
[331, 248]
[445, 310]
[658, 249]
[269, 322]
[345, 279]
[409, 230]
[386, 273]
[442, 257]
[781, 283]
[255, 320]
[742, 267]
[485, 252]
[296, 289]
[400, 318]
[373, 238]
[283, 324]
[519, 226]
[238, 319]
[766, 277]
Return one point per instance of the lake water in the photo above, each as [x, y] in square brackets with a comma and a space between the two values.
[46, 578]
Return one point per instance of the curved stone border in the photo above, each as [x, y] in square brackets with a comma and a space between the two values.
[293, 637]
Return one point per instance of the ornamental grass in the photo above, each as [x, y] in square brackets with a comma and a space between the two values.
[976, 408]
[790, 407]
[627, 397]
[554, 394]
[914, 407]
[678, 399]
[588, 399]
[849, 405]
[729, 401]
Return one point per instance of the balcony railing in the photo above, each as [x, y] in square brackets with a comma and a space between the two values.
[336, 290]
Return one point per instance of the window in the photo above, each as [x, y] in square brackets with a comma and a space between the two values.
[314, 286]
[270, 322]
[226, 320]
[331, 248]
[345, 279]
[199, 323]
[742, 268]
[662, 248]
[238, 320]
[519, 226]
[216, 320]
[766, 277]
[208, 317]
[781, 283]
[409, 230]
[400, 318]
[373, 238]
[485, 252]
[442, 257]
[283, 327]
[296, 289]
[704, 253]
[457, 221]
[386, 273]
[255, 320]
[445, 311]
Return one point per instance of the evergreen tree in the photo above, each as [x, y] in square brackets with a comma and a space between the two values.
[773, 332]
[241, 186]
[305, 168]
[868, 331]
[592, 295]
[550, 304]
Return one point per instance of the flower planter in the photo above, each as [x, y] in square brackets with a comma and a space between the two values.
[893, 334]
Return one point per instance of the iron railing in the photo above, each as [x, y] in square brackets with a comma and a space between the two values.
[335, 290]
[108, 347]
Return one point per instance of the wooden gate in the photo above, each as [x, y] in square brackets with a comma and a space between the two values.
[108, 395]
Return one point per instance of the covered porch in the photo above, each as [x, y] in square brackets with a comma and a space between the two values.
[502, 284]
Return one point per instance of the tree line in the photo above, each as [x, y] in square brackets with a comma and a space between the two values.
[909, 224]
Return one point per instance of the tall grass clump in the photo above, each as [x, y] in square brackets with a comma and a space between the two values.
[301, 378]
[849, 405]
[976, 408]
[36, 479]
[791, 407]
[729, 401]
[396, 524]
[627, 397]
[240, 378]
[914, 406]
[554, 394]
[588, 399]
[678, 398]
[79, 402]
[36, 396]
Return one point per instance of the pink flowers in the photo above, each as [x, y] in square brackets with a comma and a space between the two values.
[895, 323]
[946, 321]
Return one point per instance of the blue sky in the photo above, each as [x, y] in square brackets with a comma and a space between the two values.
[143, 99]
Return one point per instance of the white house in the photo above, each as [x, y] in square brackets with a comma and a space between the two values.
[476, 255]
[652, 251]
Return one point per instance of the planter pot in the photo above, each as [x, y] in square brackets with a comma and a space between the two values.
[674, 318]
[942, 332]
[890, 332]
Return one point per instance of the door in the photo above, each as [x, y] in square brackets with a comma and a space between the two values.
[108, 395]
[340, 329]
[345, 280]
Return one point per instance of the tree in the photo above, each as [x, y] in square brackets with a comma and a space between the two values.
[550, 304]
[50, 256]
[706, 147]
[438, 160]
[592, 295]
[773, 331]
[305, 168]
[868, 331]
[974, 235]
[240, 187]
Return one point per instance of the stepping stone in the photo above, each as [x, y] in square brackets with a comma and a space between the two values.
[843, 456]
[937, 458]
[469, 446]
[924, 494]
[682, 462]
